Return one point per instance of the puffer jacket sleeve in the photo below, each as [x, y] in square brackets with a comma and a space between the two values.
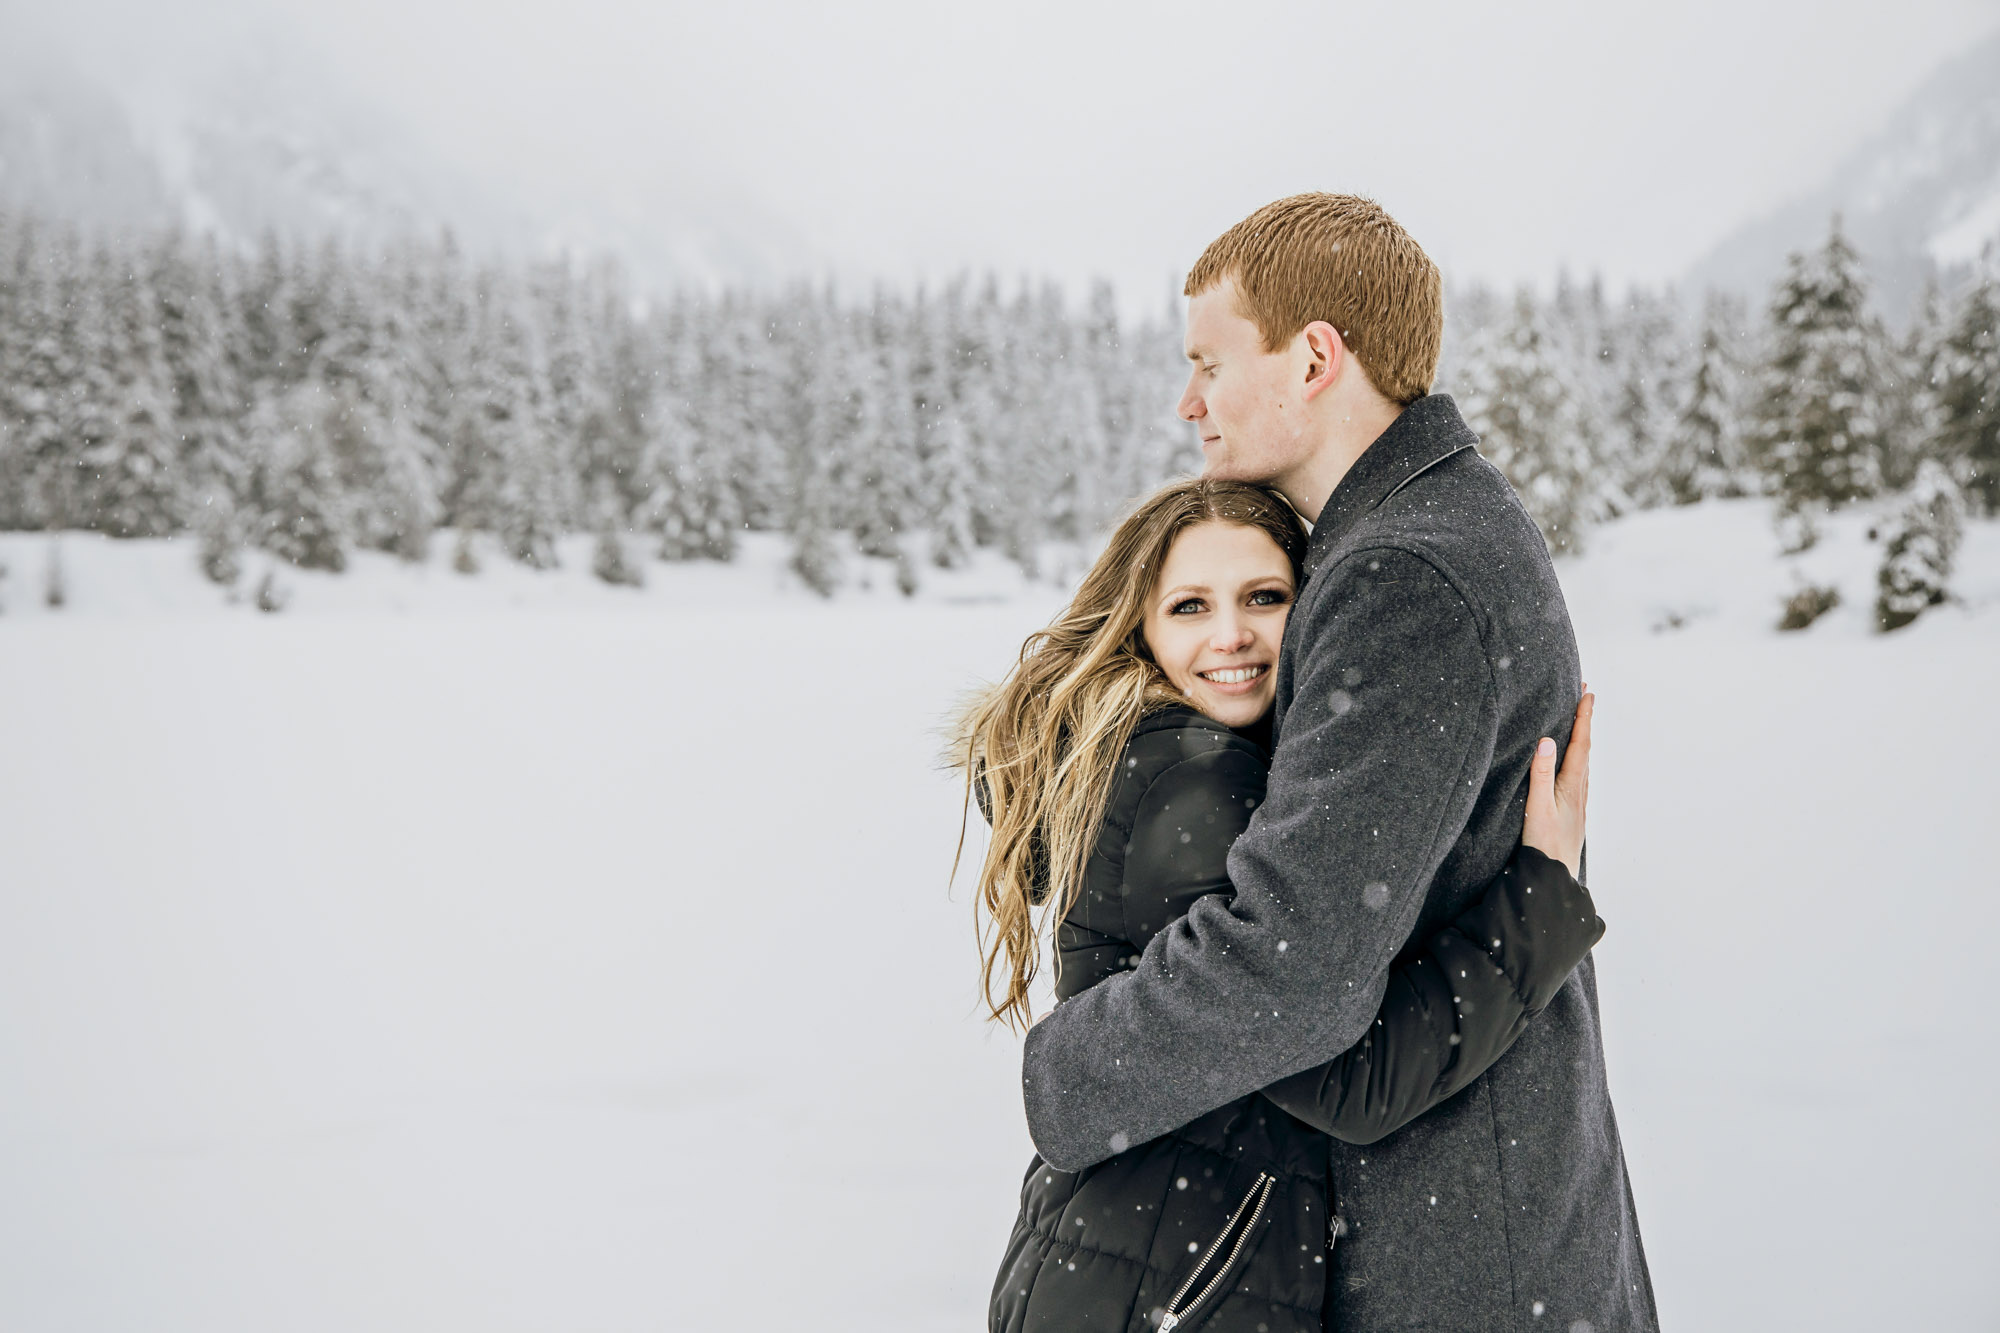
[1451, 1008]
[1455, 1006]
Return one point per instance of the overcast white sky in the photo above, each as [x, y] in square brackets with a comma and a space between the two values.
[1072, 139]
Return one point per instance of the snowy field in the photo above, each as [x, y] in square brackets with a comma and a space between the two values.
[516, 953]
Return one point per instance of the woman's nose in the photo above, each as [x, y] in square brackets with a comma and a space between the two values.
[1232, 638]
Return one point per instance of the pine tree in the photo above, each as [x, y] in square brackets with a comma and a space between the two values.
[132, 486]
[1704, 451]
[685, 497]
[508, 478]
[385, 461]
[1529, 425]
[675, 506]
[951, 517]
[209, 398]
[1968, 386]
[1819, 424]
[745, 406]
[267, 354]
[710, 506]
[816, 557]
[1920, 543]
[298, 507]
[1913, 380]
[883, 450]
[1647, 375]
[43, 370]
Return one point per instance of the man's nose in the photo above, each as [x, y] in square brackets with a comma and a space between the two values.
[1191, 407]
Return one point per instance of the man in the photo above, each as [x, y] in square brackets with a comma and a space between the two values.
[1427, 653]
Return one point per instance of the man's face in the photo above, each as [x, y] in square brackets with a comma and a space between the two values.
[1247, 403]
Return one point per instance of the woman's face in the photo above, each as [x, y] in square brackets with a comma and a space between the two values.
[1215, 616]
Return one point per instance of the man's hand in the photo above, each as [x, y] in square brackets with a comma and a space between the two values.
[1554, 826]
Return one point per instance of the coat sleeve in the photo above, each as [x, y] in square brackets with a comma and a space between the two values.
[1455, 1006]
[1391, 725]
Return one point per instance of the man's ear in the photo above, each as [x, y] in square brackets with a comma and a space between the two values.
[1326, 357]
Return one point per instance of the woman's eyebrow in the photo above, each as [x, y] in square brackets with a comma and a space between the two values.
[1185, 587]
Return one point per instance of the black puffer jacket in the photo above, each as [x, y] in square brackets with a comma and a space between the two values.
[1223, 1224]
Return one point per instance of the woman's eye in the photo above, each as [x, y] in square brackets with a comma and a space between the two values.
[1269, 597]
[1185, 607]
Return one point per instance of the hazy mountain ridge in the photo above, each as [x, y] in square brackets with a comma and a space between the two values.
[267, 140]
[1919, 199]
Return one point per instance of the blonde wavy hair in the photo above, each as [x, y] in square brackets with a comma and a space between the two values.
[1039, 750]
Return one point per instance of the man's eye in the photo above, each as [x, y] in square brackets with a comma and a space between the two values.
[1187, 606]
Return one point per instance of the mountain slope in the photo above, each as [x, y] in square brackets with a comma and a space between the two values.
[1920, 197]
[268, 138]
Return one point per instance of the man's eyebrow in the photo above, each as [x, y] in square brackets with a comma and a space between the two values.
[1196, 353]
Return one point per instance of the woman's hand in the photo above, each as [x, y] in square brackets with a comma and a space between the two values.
[1554, 826]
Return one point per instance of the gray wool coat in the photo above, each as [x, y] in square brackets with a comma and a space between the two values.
[1427, 653]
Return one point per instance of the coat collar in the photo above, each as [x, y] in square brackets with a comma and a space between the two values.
[1429, 431]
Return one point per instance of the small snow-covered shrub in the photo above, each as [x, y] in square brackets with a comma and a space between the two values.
[1797, 528]
[817, 561]
[271, 594]
[614, 565]
[1920, 542]
[55, 586]
[1807, 605]
[221, 552]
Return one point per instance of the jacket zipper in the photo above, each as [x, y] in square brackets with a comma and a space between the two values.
[1252, 1207]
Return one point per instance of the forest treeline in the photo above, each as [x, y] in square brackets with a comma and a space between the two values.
[309, 400]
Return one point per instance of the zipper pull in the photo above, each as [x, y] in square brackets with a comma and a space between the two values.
[1168, 1321]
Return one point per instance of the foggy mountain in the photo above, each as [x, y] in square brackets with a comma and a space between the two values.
[1919, 198]
[267, 138]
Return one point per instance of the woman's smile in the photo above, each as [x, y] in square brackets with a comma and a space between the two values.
[1214, 622]
[1235, 680]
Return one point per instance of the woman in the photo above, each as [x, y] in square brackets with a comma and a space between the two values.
[1116, 763]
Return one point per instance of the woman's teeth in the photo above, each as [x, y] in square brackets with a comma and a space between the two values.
[1234, 675]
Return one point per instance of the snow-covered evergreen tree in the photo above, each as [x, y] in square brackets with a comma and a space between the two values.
[510, 478]
[386, 463]
[883, 445]
[298, 508]
[685, 495]
[1704, 449]
[1920, 542]
[1637, 431]
[1819, 423]
[44, 371]
[1516, 400]
[816, 549]
[949, 488]
[1912, 408]
[132, 485]
[209, 398]
[1967, 383]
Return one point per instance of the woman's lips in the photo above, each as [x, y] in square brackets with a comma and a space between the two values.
[1237, 679]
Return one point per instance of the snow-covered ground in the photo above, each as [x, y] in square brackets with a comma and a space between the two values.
[516, 953]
